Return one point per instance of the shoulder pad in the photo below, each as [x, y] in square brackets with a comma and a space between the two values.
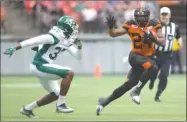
[155, 23]
[129, 23]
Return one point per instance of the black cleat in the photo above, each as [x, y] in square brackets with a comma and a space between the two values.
[27, 113]
[158, 100]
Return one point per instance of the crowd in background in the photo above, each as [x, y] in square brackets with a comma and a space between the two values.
[90, 15]
[2, 18]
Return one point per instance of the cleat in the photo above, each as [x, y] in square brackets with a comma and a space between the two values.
[63, 108]
[99, 107]
[135, 96]
[27, 113]
[157, 100]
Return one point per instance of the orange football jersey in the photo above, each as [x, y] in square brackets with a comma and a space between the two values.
[136, 34]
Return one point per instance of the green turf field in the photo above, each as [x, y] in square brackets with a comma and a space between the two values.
[83, 96]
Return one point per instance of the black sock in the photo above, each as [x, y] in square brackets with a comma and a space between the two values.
[118, 92]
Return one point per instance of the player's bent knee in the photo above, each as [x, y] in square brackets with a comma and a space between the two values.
[70, 73]
[55, 92]
[153, 68]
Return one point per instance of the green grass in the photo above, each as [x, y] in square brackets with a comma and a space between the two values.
[83, 96]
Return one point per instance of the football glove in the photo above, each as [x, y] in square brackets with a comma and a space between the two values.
[148, 35]
[78, 43]
[110, 21]
[10, 51]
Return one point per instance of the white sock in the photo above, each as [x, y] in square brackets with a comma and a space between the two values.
[31, 106]
[61, 100]
[139, 84]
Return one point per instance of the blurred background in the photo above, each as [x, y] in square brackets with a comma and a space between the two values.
[21, 19]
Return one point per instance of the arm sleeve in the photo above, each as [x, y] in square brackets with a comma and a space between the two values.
[177, 33]
[42, 39]
[75, 52]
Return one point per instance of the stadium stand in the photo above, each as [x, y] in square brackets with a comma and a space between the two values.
[90, 15]
[2, 17]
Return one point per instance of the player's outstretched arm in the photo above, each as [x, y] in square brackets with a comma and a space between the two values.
[114, 32]
[117, 32]
[76, 52]
[42, 39]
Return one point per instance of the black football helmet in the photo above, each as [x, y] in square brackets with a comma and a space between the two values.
[141, 15]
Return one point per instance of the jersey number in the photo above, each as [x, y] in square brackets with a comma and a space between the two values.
[138, 39]
[54, 55]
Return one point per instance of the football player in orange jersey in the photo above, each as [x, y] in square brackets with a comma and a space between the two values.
[164, 56]
[144, 33]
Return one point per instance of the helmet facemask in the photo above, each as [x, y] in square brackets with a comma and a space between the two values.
[74, 34]
[142, 20]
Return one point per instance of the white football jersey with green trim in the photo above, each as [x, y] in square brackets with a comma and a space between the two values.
[48, 53]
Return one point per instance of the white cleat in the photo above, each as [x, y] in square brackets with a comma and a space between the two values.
[99, 109]
[63, 108]
[28, 113]
[135, 97]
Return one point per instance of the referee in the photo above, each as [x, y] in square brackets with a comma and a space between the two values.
[163, 56]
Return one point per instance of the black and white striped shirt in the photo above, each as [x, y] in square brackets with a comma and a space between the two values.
[171, 31]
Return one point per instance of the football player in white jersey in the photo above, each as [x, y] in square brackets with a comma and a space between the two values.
[62, 37]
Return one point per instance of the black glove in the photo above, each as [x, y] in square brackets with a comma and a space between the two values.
[151, 36]
[110, 21]
[78, 43]
[148, 36]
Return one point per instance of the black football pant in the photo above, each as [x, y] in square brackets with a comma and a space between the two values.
[163, 61]
[140, 65]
